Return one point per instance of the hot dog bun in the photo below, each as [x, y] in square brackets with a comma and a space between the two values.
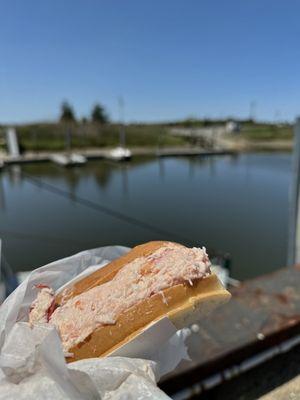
[183, 303]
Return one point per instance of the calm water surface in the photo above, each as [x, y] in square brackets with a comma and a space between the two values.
[230, 204]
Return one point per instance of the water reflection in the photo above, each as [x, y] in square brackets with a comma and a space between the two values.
[191, 169]
[2, 195]
[102, 175]
[161, 167]
[14, 174]
[125, 185]
[102, 172]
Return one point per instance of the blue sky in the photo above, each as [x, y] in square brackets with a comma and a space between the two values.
[168, 59]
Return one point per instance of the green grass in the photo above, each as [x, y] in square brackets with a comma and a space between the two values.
[262, 132]
[51, 137]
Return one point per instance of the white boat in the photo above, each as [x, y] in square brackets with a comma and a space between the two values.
[67, 160]
[119, 154]
[78, 158]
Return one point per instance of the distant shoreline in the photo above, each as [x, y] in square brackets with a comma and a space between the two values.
[243, 145]
[80, 137]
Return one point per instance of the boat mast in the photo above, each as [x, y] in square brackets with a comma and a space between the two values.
[122, 138]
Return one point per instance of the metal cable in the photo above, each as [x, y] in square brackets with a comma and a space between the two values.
[39, 237]
[106, 210]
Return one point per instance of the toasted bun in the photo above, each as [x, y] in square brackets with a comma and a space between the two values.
[183, 304]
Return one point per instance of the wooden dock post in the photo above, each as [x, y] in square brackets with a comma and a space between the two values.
[294, 215]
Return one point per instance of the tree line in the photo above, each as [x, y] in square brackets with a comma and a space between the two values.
[98, 114]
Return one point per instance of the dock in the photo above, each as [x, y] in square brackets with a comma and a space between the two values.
[25, 158]
[261, 321]
[98, 154]
[191, 152]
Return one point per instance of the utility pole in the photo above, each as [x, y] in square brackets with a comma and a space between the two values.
[252, 110]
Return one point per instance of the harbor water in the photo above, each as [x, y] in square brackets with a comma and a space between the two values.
[230, 204]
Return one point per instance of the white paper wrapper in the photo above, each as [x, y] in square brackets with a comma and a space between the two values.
[32, 362]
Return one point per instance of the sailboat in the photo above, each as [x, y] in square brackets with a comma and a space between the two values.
[120, 153]
[68, 158]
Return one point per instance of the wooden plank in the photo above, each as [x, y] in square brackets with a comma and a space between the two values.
[262, 313]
